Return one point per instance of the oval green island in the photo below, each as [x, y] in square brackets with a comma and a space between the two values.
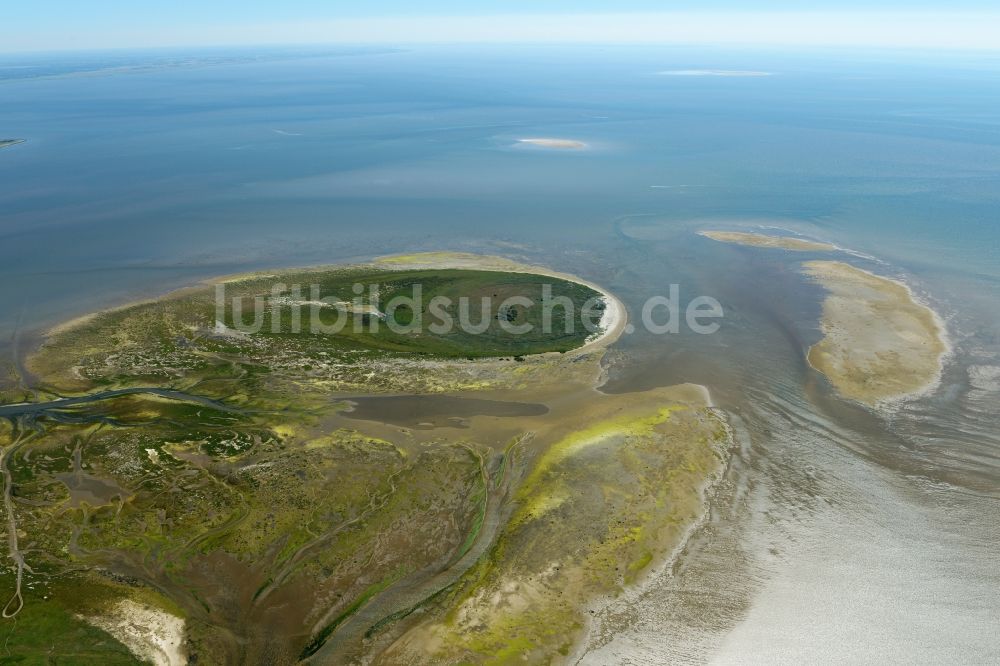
[321, 315]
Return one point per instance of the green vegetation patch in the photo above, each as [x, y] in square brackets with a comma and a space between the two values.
[450, 313]
[51, 628]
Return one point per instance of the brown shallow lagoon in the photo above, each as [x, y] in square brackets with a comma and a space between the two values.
[428, 412]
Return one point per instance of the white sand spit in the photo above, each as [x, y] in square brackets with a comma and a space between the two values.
[150, 633]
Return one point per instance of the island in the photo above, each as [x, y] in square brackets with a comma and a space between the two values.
[879, 344]
[4, 143]
[761, 240]
[238, 481]
[555, 144]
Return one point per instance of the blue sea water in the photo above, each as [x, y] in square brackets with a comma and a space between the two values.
[145, 171]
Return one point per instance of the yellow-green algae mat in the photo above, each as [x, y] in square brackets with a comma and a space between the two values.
[599, 508]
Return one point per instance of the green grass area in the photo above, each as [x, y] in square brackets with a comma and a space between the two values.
[49, 630]
[410, 312]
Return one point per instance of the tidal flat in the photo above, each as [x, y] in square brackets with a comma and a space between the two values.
[242, 484]
[879, 343]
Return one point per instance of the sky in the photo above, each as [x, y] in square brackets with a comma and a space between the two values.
[84, 24]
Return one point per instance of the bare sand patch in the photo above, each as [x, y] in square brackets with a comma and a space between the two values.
[879, 344]
[555, 144]
[760, 240]
[151, 634]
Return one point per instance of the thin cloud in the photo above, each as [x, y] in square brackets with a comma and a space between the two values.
[737, 73]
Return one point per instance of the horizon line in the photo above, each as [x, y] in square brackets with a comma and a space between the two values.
[928, 30]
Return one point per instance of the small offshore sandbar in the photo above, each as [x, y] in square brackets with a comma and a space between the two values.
[879, 344]
[554, 144]
[760, 240]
